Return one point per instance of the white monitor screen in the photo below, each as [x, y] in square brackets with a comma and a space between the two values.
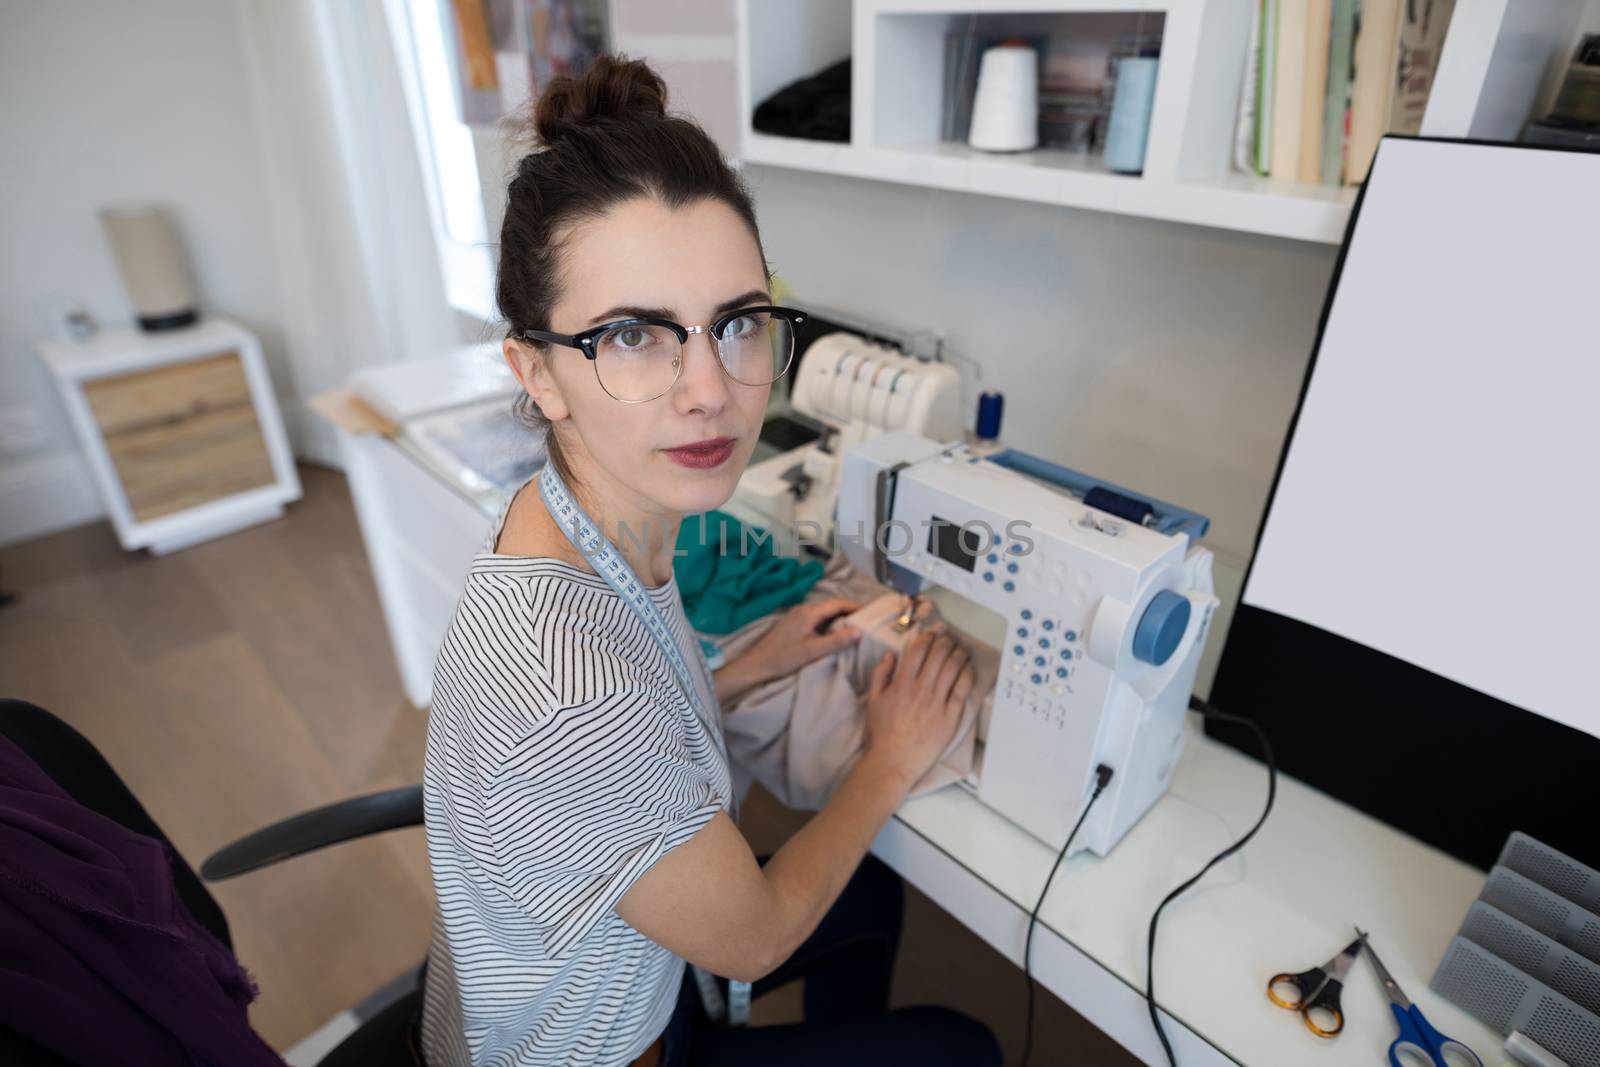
[1440, 499]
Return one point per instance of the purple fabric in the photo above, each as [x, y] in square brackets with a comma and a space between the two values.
[99, 960]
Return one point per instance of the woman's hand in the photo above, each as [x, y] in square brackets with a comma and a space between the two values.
[914, 705]
[791, 643]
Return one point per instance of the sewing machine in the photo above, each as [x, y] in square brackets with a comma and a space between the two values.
[856, 389]
[1097, 600]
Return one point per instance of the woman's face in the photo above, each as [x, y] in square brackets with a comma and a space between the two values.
[687, 263]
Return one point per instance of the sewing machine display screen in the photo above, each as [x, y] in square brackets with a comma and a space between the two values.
[1437, 502]
[953, 544]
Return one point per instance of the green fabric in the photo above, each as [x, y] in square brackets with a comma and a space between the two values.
[728, 574]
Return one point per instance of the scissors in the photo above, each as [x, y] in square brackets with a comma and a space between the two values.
[1419, 1043]
[1316, 992]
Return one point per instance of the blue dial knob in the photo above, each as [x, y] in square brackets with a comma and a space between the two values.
[1161, 627]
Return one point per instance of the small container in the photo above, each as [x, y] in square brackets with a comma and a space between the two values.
[1129, 127]
[991, 407]
[1005, 111]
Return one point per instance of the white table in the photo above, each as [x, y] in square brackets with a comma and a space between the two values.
[1288, 902]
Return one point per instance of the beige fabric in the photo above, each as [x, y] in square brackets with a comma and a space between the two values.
[800, 735]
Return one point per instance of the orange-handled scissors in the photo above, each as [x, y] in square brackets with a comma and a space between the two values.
[1315, 993]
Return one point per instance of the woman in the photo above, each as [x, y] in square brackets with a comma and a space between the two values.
[578, 798]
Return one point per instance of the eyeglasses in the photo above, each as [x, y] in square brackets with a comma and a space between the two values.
[640, 359]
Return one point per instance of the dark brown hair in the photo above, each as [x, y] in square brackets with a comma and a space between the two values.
[602, 138]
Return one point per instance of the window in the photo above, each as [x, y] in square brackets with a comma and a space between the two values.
[449, 160]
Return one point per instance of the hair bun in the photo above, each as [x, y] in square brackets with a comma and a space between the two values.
[611, 88]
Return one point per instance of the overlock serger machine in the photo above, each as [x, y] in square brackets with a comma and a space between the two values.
[1100, 600]
[856, 389]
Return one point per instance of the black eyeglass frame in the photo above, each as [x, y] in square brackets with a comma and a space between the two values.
[585, 340]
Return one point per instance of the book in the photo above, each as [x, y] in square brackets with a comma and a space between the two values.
[1244, 126]
[1336, 101]
[1422, 30]
[1314, 87]
[1372, 98]
[1267, 62]
[1288, 88]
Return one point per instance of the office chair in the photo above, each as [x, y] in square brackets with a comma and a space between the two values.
[83, 773]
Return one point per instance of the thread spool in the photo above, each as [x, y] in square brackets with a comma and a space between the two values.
[1129, 128]
[1005, 111]
[990, 408]
[152, 264]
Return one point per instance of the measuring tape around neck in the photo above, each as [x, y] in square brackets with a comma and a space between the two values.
[607, 562]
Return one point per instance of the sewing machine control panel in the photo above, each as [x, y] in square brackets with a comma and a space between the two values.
[1043, 650]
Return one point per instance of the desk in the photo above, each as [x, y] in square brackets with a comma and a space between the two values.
[1288, 902]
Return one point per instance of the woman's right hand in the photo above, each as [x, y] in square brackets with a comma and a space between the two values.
[914, 704]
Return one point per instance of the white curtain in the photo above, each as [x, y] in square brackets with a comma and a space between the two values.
[353, 243]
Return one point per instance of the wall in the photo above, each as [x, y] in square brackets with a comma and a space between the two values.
[117, 101]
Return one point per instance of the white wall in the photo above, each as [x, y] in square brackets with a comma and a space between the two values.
[107, 101]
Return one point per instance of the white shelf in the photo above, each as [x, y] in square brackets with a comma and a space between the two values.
[1077, 180]
[897, 87]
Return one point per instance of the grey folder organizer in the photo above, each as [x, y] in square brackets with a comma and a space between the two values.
[1554, 870]
[1527, 957]
[1533, 905]
[1535, 955]
[1501, 996]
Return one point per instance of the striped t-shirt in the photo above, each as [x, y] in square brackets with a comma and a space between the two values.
[562, 761]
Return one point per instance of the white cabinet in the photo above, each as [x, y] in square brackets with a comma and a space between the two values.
[180, 428]
[425, 512]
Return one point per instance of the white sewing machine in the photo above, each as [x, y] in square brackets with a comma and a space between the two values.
[1097, 600]
[857, 390]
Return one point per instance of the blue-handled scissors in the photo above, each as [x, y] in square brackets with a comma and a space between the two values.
[1419, 1044]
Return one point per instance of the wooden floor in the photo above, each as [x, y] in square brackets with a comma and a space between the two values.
[249, 678]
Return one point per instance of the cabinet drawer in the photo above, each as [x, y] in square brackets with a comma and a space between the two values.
[181, 435]
[166, 394]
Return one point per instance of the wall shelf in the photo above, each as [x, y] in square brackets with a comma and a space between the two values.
[1076, 180]
[897, 51]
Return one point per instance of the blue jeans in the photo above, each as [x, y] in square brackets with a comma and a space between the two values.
[846, 964]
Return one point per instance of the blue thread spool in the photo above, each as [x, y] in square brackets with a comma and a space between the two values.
[1129, 127]
[990, 408]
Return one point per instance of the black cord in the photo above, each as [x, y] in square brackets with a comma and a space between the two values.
[1102, 778]
[1272, 791]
